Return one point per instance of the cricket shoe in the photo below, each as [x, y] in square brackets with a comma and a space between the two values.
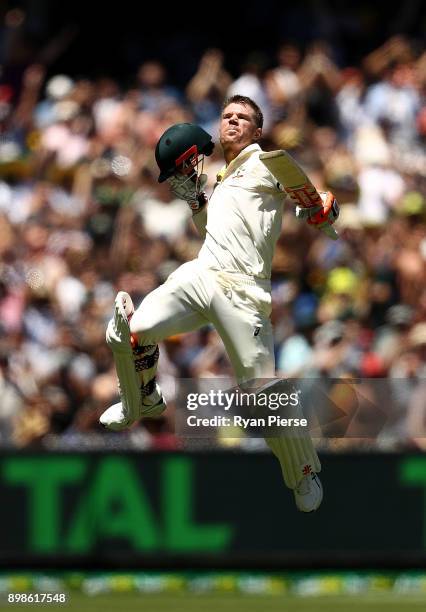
[309, 493]
[134, 404]
[117, 418]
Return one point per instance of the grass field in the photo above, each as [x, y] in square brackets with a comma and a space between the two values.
[231, 603]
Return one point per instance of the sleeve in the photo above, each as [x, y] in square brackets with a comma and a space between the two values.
[200, 221]
[268, 180]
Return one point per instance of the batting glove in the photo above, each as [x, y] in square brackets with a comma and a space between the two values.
[190, 190]
[329, 212]
[322, 217]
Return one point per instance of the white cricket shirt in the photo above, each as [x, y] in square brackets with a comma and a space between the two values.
[243, 218]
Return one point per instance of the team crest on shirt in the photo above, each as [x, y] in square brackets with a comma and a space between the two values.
[239, 173]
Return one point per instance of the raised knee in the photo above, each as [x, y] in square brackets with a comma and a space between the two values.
[140, 328]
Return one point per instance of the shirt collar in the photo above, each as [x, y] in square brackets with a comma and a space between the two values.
[246, 152]
[243, 154]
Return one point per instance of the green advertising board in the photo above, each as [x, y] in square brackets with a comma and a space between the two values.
[225, 505]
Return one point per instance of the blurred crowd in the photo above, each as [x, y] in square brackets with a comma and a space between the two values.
[83, 216]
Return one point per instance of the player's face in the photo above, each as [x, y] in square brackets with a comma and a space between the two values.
[238, 127]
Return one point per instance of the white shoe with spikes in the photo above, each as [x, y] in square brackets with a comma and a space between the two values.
[309, 492]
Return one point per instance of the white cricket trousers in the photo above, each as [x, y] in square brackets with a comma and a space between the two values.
[237, 305]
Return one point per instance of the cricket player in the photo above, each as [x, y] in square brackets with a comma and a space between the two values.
[228, 285]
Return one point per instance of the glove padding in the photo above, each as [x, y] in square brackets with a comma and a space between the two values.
[318, 216]
[185, 188]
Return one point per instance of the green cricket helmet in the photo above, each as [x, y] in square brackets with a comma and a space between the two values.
[180, 147]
